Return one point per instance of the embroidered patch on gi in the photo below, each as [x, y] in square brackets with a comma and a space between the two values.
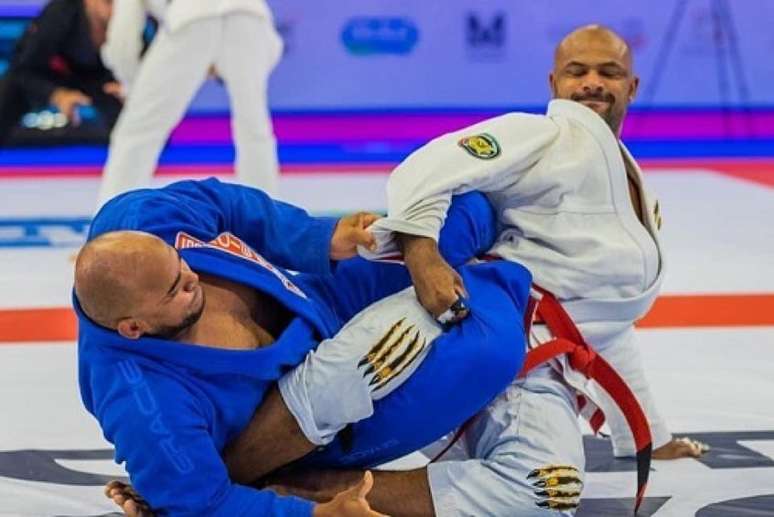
[233, 245]
[557, 487]
[392, 355]
[483, 146]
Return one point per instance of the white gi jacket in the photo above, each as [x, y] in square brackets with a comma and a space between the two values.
[122, 48]
[559, 185]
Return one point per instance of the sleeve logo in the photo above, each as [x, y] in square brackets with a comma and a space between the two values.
[483, 146]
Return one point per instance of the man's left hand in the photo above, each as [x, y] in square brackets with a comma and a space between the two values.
[351, 232]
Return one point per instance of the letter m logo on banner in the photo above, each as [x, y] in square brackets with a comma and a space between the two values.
[490, 33]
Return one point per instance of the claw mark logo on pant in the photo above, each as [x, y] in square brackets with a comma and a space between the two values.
[558, 487]
[397, 350]
[483, 146]
[233, 245]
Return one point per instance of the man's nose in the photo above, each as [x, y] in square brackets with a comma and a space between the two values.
[191, 280]
[592, 83]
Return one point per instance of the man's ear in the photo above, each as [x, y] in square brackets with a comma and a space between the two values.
[131, 328]
[634, 87]
[552, 84]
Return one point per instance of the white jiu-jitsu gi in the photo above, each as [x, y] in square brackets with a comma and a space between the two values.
[237, 37]
[559, 185]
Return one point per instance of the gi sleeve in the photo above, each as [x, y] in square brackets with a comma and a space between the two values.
[163, 434]
[123, 47]
[41, 41]
[490, 156]
[469, 231]
[284, 234]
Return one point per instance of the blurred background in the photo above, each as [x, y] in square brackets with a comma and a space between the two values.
[367, 82]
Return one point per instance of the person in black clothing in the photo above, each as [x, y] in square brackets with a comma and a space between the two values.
[56, 62]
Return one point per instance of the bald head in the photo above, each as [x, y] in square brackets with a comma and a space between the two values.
[593, 66]
[592, 37]
[112, 272]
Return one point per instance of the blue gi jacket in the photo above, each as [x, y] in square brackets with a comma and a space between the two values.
[169, 407]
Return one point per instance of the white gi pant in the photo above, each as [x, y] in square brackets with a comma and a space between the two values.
[523, 451]
[534, 426]
[244, 48]
[511, 454]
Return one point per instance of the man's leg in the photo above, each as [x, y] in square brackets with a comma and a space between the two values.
[620, 349]
[461, 370]
[522, 455]
[526, 455]
[249, 50]
[171, 71]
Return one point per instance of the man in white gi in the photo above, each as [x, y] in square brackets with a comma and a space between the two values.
[573, 209]
[571, 202]
[236, 37]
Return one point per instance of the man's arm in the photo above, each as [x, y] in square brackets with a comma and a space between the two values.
[405, 493]
[284, 234]
[349, 502]
[160, 431]
[420, 189]
[271, 440]
[468, 231]
[41, 41]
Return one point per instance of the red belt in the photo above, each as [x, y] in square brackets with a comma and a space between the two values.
[582, 357]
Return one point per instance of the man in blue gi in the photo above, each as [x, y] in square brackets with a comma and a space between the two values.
[186, 324]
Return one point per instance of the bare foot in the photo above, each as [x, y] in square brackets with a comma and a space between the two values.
[680, 448]
[132, 504]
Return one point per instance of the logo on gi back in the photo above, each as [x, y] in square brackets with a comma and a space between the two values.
[483, 146]
[364, 36]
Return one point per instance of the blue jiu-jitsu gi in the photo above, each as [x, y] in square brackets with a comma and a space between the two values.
[169, 407]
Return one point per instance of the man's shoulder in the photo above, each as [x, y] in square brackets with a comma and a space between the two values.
[512, 121]
[189, 204]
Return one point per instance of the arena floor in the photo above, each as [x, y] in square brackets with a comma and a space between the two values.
[708, 346]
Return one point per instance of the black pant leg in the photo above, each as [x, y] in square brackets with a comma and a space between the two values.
[13, 104]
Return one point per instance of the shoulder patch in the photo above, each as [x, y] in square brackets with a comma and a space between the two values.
[482, 145]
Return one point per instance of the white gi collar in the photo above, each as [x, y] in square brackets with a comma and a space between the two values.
[577, 111]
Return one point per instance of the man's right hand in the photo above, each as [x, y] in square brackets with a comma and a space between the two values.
[438, 286]
[67, 100]
[350, 502]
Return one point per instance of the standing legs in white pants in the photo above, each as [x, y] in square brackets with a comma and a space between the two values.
[250, 50]
[244, 48]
